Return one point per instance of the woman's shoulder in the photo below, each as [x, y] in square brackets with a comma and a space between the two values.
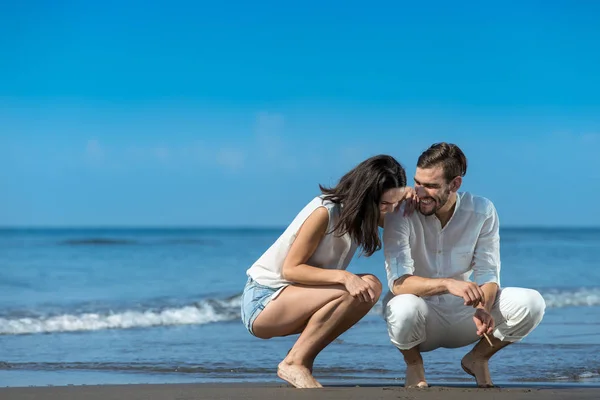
[316, 203]
[321, 200]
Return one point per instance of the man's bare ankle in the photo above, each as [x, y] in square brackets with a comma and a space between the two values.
[476, 357]
[415, 376]
[413, 360]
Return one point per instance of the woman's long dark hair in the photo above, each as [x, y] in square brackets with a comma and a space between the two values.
[359, 191]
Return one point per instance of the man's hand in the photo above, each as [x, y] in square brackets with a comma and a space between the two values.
[469, 291]
[483, 321]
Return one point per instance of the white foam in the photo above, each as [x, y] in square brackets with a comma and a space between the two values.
[203, 313]
[210, 311]
[585, 297]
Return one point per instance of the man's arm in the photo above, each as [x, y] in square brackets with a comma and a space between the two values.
[399, 264]
[468, 291]
[396, 247]
[486, 271]
[486, 268]
[490, 290]
[422, 287]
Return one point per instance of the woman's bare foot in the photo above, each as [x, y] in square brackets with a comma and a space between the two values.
[298, 376]
[415, 376]
[477, 367]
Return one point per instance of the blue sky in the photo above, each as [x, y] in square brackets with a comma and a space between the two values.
[184, 113]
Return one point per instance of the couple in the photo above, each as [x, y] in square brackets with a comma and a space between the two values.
[442, 263]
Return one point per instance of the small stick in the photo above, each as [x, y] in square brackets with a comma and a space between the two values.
[488, 340]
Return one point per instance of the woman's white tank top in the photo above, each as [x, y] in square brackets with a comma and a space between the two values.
[333, 252]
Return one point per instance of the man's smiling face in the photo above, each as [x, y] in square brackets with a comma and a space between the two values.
[432, 189]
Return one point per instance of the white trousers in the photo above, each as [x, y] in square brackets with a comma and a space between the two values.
[444, 320]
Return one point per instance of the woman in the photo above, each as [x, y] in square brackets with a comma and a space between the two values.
[300, 284]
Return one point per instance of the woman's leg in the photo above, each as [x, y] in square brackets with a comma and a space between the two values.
[321, 313]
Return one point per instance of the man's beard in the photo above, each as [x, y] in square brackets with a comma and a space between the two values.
[438, 203]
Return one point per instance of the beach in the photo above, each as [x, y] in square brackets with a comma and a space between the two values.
[162, 306]
[275, 391]
[161, 166]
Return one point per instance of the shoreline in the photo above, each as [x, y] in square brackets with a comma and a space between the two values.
[275, 391]
[328, 384]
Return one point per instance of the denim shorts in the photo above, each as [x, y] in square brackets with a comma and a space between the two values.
[254, 300]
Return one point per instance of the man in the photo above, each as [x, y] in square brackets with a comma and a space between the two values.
[443, 270]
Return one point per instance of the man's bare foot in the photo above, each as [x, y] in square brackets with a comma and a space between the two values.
[477, 367]
[298, 376]
[415, 376]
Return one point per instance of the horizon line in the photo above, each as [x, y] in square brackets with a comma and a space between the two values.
[232, 227]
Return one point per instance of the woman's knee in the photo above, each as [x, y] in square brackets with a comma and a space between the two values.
[263, 335]
[374, 284]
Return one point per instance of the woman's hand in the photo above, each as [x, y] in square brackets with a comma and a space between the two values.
[411, 201]
[359, 288]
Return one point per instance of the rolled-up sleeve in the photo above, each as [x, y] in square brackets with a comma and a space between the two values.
[396, 247]
[486, 268]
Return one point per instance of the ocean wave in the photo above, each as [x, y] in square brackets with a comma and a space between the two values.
[235, 371]
[204, 312]
[96, 242]
[556, 298]
[203, 242]
[92, 241]
[559, 298]
[172, 367]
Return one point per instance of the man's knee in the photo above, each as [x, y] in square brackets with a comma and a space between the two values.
[406, 315]
[528, 303]
[535, 303]
[405, 309]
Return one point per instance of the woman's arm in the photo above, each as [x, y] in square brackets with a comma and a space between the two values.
[307, 240]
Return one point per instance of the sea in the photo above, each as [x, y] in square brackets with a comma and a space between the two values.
[126, 306]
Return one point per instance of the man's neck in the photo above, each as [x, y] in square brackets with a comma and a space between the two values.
[445, 213]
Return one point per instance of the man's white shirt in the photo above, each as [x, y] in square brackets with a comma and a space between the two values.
[467, 248]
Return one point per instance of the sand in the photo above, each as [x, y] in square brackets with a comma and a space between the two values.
[276, 392]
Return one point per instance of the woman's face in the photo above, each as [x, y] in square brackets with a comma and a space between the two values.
[390, 200]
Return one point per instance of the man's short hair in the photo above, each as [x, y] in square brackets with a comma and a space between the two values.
[447, 155]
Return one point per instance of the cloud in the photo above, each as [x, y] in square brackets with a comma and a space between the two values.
[182, 155]
[268, 130]
[195, 151]
[585, 138]
[150, 154]
[266, 143]
[94, 151]
[162, 153]
[349, 154]
[590, 138]
[232, 159]
[269, 123]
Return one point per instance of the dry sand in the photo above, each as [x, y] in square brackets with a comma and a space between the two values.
[276, 392]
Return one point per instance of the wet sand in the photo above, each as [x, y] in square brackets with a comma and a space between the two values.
[277, 392]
